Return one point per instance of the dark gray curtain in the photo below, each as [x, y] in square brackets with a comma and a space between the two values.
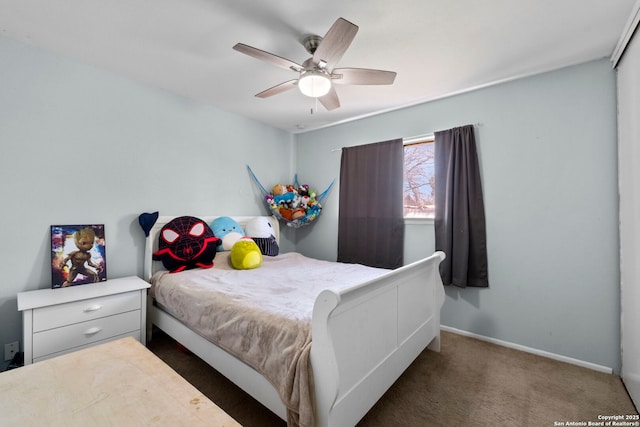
[459, 218]
[370, 219]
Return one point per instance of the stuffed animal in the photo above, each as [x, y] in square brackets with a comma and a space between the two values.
[186, 242]
[286, 213]
[245, 254]
[261, 231]
[278, 190]
[147, 220]
[228, 230]
[298, 213]
[285, 199]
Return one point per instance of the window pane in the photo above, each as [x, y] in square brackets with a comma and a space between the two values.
[419, 181]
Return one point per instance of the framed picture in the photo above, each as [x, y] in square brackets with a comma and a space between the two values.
[77, 255]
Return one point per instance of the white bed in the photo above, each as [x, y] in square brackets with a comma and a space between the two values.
[364, 334]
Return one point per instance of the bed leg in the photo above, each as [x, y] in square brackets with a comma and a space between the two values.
[434, 345]
[148, 322]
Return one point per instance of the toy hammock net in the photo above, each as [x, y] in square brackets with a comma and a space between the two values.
[294, 204]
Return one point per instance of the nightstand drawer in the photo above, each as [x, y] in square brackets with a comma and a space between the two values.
[134, 334]
[59, 339]
[81, 311]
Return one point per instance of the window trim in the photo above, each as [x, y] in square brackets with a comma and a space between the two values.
[415, 140]
[418, 221]
[430, 137]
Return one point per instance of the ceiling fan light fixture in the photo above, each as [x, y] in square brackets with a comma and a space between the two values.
[314, 83]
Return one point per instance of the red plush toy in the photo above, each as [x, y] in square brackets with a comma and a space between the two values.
[186, 242]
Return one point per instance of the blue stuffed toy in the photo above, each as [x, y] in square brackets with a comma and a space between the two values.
[228, 230]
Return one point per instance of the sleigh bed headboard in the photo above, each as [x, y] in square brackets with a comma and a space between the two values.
[151, 244]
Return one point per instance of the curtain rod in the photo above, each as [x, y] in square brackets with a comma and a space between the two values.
[413, 139]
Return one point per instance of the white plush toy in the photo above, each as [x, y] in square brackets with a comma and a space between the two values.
[261, 231]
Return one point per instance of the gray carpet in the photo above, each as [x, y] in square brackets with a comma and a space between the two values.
[469, 383]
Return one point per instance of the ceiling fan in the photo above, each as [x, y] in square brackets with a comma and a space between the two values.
[317, 74]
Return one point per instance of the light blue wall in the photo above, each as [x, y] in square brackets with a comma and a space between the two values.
[81, 145]
[547, 147]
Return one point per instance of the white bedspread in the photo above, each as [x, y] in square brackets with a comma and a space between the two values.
[262, 316]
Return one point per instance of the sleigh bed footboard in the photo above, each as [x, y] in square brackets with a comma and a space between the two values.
[366, 336]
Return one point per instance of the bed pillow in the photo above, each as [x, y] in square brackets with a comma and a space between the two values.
[261, 231]
[228, 230]
[186, 242]
[245, 254]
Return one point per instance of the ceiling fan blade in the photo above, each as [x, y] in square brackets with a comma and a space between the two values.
[362, 76]
[330, 101]
[335, 43]
[282, 87]
[268, 57]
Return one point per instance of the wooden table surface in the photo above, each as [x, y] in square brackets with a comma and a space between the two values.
[120, 383]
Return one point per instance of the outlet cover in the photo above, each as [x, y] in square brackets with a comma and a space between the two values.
[11, 349]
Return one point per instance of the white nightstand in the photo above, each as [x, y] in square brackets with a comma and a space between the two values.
[59, 321]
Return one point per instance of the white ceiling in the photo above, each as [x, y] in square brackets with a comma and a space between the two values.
[437, 47]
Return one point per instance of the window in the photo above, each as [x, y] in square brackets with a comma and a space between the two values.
[419, 178]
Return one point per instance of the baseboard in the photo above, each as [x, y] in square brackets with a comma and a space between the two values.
[526, 349]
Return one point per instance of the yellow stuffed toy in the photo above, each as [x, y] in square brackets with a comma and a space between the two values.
[245, 254]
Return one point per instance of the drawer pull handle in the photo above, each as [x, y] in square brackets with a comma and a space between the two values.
[92, 308]
[92, 331]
